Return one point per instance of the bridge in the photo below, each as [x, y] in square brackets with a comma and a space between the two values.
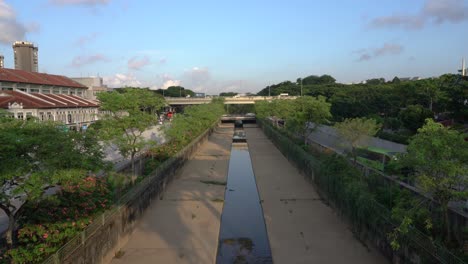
[244, 118]
[227, 100]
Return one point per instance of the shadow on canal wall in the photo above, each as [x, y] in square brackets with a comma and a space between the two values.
[109, 231]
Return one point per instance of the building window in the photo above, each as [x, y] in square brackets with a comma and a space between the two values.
[45, 91]
[19, 115]
[22, 89]
[7, 88]
[49, 115]
[34, 90]
[69, 118]
[56, 90]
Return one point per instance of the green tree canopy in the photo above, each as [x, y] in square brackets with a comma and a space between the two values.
[356, 132]
[227, 94]
[36, 156]
[127, 117]
[440, 157]
[305, 113]
[414, 116]
[175, 91]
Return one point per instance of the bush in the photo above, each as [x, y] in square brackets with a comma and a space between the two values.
[46, 226]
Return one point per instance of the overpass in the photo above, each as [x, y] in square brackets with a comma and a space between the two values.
[227, 100]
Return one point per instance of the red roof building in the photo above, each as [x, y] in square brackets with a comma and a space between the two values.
[46, 97]
[33, 82]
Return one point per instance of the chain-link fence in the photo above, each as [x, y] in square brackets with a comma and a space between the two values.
[371, 221]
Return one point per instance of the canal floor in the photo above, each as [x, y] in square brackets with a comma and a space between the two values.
[183, 227]
[301, 228]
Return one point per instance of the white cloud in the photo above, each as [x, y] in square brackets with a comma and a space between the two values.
[122, 80]
[136, 64]
[405, 21]
[79, 61]
[438, 11]
[386, 49]
[79, 2]
[12, 30]
[6, 11]
[83, 40]
[170, 83]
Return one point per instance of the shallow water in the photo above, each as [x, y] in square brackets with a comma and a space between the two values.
[243, 237]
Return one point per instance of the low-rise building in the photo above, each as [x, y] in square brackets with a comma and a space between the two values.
[95, 85]
[46, 97]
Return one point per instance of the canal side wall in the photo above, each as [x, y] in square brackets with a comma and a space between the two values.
[419, 250]
[103, 239]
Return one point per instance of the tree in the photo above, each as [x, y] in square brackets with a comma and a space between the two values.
[126, 119]
[396, 80]
[308, 113]
[375, 81]
[315, 80]
[175, 91]
[440, 158]
[413, 116]
[228, 94]
[356, 132]
[37, 156]
[193, 121]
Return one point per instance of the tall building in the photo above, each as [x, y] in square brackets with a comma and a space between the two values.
[2, 62]
[25, 56]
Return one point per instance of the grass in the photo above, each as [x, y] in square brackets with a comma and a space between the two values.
[223, 183]
[119, 254]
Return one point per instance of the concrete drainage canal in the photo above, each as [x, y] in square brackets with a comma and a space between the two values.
[243, 237]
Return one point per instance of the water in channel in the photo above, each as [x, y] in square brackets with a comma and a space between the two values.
[243, 237]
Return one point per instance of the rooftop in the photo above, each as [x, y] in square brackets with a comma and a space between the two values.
[20, 76]
[37, 100]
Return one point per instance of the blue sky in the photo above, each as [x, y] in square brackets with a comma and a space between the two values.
[214, 46]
